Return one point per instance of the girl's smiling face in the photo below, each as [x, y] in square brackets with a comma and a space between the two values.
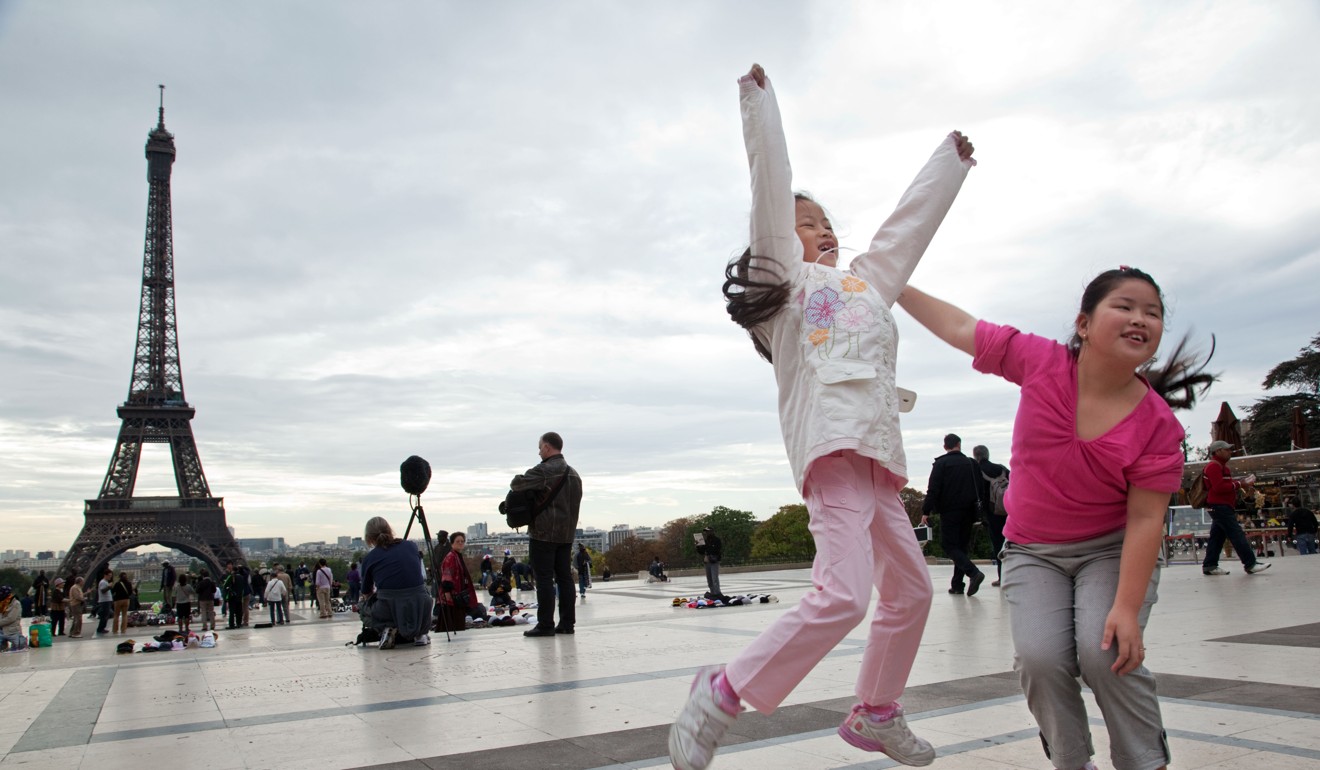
[1127, 324]
[817, 234]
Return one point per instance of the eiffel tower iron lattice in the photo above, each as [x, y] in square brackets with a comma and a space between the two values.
[155, 412]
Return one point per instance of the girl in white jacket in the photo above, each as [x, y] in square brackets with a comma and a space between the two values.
[832, 341]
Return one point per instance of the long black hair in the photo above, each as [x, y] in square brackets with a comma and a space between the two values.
[1183, 376]
[755, 292]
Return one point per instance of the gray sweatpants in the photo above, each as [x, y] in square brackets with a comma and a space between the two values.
[1059, 596]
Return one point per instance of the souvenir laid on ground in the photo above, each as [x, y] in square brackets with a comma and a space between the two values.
[173, 640]
[709, 602]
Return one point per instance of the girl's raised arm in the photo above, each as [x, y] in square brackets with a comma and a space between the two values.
[774, 231]
[902, 240]
[951, 324]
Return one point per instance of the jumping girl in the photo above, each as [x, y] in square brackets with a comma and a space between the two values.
[833, 344]
[1096, 454]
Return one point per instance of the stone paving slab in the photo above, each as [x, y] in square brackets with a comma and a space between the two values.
[1227, 654]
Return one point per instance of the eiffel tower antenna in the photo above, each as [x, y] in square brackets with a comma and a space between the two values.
[155, 412]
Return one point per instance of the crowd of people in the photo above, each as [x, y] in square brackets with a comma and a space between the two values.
[114, 599]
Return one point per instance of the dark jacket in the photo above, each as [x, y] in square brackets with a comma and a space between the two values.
[205, 589]
[558, 522]
[953, 484]
[1301, 522]
[713, 550]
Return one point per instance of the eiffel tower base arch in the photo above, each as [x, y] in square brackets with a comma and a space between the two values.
[195, 526]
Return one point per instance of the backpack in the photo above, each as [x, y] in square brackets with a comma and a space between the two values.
[998, 488]
[1197, 494]
[521, 508]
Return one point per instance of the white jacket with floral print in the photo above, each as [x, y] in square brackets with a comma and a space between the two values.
[835, 345]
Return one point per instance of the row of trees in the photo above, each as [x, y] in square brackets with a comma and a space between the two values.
[784, 537]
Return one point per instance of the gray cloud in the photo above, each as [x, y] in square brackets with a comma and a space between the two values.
[442, 229]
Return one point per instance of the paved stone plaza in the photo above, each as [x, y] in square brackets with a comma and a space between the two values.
[1238, 660]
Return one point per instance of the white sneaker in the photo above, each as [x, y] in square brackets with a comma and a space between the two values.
[891, 737]
[700, 725]
[1215, 571]
[422, 640]
[1258, 567]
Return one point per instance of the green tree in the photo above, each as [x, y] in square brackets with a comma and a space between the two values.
[734, 529]
[784, 535]
[1272, 417]
[672, 543]
[631, 554]
[9, 576]
[912, 501]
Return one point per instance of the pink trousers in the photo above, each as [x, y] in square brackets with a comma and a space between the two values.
[863, 539]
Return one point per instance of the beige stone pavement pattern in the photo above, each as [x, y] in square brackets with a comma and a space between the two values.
[296, 697]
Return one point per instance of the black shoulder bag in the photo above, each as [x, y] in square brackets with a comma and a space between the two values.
[521, 508]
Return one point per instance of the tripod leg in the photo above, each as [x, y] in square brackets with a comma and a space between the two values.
[432, 569]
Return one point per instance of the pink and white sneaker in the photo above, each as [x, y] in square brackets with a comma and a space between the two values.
[891, 736]
[702, 723]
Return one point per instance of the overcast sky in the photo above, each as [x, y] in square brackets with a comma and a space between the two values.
[445, 228]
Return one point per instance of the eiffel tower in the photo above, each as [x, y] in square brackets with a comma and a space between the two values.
[155, 413]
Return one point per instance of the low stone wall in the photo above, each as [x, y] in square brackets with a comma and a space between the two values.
[734, 569]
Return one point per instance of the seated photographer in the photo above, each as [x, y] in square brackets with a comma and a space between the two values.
[499, 592]
[395, 600]
[458, 594]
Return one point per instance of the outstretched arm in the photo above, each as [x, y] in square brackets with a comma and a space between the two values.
[901, 241]
[951, 324]
[774, 231]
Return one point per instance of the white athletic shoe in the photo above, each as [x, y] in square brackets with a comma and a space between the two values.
[891, 737]
[701, 724]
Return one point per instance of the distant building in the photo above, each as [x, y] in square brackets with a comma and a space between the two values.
[620, 533]
[256, 545]
[595, 539]
[477, 531]
[345, 541]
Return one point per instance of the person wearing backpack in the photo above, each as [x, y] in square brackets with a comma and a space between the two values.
[993, 487]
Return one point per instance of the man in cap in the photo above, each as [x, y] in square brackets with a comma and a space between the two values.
[1221, 491]
[712, 550]
[506, 568]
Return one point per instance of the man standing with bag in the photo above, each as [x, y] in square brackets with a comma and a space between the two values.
[551, 534]
[953, 493]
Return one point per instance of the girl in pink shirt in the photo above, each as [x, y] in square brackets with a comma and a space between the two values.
[1096, 455]
[829, 334]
